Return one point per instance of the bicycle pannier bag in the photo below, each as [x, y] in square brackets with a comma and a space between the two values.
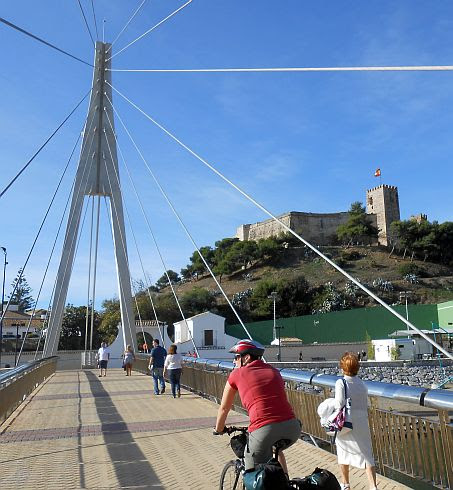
[320, 478]
[238, 444]
[267, 476]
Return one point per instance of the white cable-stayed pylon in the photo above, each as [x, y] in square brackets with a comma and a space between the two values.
[159, 251]
[150, 29]
[288, 70]
[96, 185]
[287, 228]
[179, 219]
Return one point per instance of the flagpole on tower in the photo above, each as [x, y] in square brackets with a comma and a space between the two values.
[377, 173]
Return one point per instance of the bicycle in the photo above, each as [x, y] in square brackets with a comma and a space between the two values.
[231, 476]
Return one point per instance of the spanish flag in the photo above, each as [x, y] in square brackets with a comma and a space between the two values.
[377, 173]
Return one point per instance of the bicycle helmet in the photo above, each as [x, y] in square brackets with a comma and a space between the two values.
[247, 346]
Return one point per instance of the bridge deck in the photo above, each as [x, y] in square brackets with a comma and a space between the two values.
[81, 431]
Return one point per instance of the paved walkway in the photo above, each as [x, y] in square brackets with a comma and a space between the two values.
[81, 431]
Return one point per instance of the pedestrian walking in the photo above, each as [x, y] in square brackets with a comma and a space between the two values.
[103, 357]
[156, 366]
[128, 360]
[173, 366]
[354, 447]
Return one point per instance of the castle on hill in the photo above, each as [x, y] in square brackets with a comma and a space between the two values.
[382, 208]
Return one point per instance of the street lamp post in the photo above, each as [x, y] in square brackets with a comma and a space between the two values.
[3, 299]
[273, 296]
[279, 355]
[405, 294]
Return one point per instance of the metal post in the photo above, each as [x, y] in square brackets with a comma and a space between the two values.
[406, 294]
[273, 297]
[3, 299]
[15, 348]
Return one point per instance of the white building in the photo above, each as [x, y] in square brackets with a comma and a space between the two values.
[406, 349]
[208, 333]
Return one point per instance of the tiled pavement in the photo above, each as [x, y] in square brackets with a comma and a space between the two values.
[81, 431]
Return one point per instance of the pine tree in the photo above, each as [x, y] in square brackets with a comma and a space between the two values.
[21, 297]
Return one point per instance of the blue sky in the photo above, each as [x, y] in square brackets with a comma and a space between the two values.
[294, 141]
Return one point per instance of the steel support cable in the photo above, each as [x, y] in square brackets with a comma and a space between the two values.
[94, 17]
[150, 30]
[42, 146]
[184, 227]
[35, 240]
[95, 271]
[294, 69]
[130, 224]
[125, 27]
[147, 282]
[161, 258]
[86, 22]
[87, 312]
[10, 24]
[50, 257]
[55, 282]
[132, 286]
[80, 188]
[288, 229]
[113, 205]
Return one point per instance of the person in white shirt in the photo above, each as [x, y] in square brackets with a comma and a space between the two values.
[174, 367]
[103, 357]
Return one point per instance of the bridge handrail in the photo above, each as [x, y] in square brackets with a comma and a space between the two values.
[425, 397]
[11, 375]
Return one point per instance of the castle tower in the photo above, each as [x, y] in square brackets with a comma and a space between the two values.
[384, 203]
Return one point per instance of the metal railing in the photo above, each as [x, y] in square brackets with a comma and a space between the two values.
[408, 444]
[16, 384]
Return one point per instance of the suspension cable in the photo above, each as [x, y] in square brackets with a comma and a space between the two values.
[294, 69]
[87, 312]
[178, 217]
[94, 17]
[80, 188]
[125, 27]
[113, 204]
[86, 23]
[147, 282]
[150, 30]
[95, 271]
[50, 257]
[158, 250]
[10, 24]
[42, 146]
[288, 229]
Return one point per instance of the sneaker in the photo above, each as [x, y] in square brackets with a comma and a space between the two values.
[100, 375]
[179, 394]
[157, 393]
[162, 391]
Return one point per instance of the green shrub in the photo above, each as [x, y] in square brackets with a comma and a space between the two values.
[409, 268]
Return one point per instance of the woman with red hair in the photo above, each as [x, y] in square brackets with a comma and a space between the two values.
[354, 447]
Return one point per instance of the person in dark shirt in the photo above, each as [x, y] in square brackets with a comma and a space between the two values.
[156, 366]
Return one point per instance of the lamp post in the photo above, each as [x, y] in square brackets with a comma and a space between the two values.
[405, 294]
[273, 297]
[3, 299]
[279, 355]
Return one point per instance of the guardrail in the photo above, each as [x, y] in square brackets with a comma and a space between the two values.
[16, 384]
[408, 446]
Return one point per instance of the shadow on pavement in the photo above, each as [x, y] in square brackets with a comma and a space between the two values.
[129, 462]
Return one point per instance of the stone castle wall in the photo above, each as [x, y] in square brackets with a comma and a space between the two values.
[320, 228]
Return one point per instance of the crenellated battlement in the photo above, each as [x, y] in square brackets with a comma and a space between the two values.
[383, 186]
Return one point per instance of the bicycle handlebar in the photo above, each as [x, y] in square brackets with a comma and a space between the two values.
[230, 430]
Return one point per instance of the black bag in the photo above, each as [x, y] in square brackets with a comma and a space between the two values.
[238, 444]
[267, 476]
[319, 479]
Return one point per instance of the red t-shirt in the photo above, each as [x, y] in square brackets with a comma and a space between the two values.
[262, 392]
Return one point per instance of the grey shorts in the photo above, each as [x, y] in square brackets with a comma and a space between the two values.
[261, 441]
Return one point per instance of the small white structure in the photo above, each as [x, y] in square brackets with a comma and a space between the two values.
[208, 333]
[407, 349]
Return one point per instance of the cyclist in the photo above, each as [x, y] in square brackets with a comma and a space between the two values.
[262, 392]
